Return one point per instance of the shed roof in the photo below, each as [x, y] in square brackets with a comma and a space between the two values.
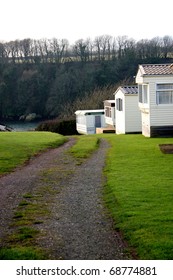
[90, 112]
[109, 101]
[156, 69]
[128, 89]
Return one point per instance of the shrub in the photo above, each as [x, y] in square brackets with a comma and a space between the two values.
[61, 126]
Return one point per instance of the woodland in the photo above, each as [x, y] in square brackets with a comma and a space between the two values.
[52, 79]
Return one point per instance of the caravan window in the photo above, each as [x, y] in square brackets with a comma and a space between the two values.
[119, 104]
[108, 112]
[164, 93]
[143, 93]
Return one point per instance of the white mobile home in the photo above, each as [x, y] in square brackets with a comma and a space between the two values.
[128, 117]
[109, 107]
[155, 85]
[88, 120]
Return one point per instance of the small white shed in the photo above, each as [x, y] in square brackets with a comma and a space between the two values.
[155, 86]
[88, 120]
[128, 116]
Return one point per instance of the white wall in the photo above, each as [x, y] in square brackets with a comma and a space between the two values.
[145, 124]
[132, 114]
[81, 124]
[120, 115]
[85, 124]
[81, 128]
[129, 119]
[111, 120]
[160, 114]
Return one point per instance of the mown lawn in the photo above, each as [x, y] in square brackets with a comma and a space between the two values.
[18, 147]
[139, 193]
[85, 146]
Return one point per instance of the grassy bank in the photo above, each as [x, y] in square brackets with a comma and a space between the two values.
[139, 193]
[18, 147]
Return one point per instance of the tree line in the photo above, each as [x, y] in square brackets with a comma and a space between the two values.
[51, 78]
[103, 47]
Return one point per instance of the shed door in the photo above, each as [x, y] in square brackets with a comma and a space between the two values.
[97, 121]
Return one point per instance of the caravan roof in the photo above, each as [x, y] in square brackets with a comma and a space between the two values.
[90, 112]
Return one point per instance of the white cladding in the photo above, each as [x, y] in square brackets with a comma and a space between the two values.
[109, 107]
[128, 120]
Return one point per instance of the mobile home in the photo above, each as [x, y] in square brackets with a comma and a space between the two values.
[155, 86]
[88, 120]
[109, 107]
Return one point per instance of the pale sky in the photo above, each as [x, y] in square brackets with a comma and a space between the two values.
[79, 19]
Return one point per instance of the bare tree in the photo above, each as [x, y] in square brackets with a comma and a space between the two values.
[81, 50]
[97, 43]
[41, 49]
[58, 48]
[121, 42]
[114, 48]
[142, 48]
[156, 47]
[2, 53]
[90, 48]
[7, 51]
[129, 48]
[25, 49]
[167, 45]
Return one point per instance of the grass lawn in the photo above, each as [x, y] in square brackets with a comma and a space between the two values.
[17, 147]
[85, 146]
[139, 193]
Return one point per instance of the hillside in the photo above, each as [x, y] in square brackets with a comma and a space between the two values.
[47, 81]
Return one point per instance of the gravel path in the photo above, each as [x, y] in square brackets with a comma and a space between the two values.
[79, 226]
[24, 179]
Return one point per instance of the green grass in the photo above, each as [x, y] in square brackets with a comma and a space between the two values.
[17, 147]
[139, 193]
[20, 253]
[85, 146]
[21, 242]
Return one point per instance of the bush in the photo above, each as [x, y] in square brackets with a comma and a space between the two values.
[61, 126]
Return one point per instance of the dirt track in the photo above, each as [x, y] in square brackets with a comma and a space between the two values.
[78, 225]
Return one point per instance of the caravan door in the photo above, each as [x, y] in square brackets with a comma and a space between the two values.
[97, 121]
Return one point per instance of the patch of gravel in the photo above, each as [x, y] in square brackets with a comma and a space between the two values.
[79, 227]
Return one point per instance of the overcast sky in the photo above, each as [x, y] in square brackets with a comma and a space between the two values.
[76, 19]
